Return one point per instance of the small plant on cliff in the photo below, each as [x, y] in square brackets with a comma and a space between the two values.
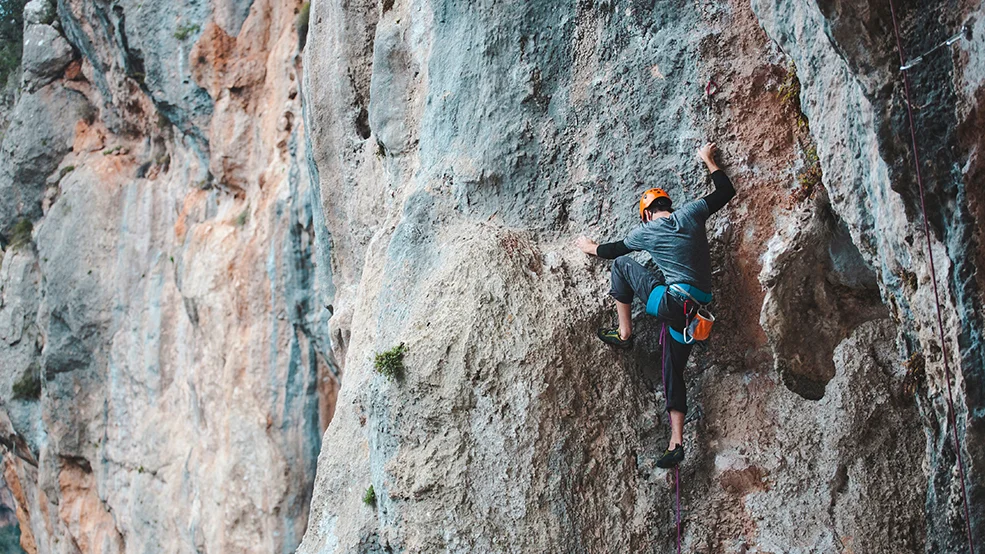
[789, 91]
[809, 178]
[20, 235]
[390, 364]
[186, 30]
[28, 387]
[369, 498]
[304, 16]
[789, 95]
[243, 217]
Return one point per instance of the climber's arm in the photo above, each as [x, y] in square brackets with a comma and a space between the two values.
[612, 250]
[724, 190]
[609, 251]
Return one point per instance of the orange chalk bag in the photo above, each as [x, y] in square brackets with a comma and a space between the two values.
[699, 326]
[698, 319]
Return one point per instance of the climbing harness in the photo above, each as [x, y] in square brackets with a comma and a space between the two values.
[677, 469]
[697, 317]
[952, 419]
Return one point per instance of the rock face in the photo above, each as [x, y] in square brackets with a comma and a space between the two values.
[165, 368]
[202, 229]
[46, 54]
[459, 151]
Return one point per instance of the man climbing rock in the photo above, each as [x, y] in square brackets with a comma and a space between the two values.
[676, 240]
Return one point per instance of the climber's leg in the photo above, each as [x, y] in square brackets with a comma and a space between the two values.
[674, 360]
[629, 279]
[676, 429]
[625, 313]
[675, 357]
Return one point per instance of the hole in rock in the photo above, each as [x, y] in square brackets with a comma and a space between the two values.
[362, 124]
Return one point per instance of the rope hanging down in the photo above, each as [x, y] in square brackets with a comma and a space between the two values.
[952, 419]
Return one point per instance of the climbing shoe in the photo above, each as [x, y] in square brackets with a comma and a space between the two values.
[671, 457]
[611, 336]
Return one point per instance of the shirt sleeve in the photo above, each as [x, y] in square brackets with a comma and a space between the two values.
[724, 191]
[612, 250]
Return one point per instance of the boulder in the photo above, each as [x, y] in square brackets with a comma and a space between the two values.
[46, 53]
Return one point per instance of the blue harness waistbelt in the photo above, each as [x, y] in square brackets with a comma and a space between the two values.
[681, 291]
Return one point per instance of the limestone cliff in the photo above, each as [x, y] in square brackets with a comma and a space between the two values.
[164, 361]
[461, 147]
[212, 211]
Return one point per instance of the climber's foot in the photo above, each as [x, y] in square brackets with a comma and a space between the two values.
[671, 457]
[611, 336]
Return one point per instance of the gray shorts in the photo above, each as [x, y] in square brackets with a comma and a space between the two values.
[629, 279]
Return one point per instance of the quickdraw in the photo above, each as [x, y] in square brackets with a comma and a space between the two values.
[711, 89]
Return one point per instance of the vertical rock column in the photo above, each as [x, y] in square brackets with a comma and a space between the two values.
[853, 94]
[165, 289]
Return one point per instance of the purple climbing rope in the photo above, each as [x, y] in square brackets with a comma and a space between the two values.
[677, 469]
[677, 485]
[952, 419]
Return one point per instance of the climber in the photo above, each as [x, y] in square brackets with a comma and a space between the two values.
[677, 242]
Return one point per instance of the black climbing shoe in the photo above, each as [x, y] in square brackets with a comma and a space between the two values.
[611, 336]
[671, 457]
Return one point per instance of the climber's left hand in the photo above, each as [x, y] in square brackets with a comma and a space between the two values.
[586, 245]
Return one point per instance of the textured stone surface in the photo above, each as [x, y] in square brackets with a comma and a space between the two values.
[175, 292]
[39, 135]
[46, 53]
[39, 12]
[459, 150]
[854, 96]
[170, 295]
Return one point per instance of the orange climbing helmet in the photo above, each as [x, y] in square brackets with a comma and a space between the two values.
[649, 197]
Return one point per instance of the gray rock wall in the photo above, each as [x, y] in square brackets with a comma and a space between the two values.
[185, 202]
[864, 142]
[165, 366]
[461, 149]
